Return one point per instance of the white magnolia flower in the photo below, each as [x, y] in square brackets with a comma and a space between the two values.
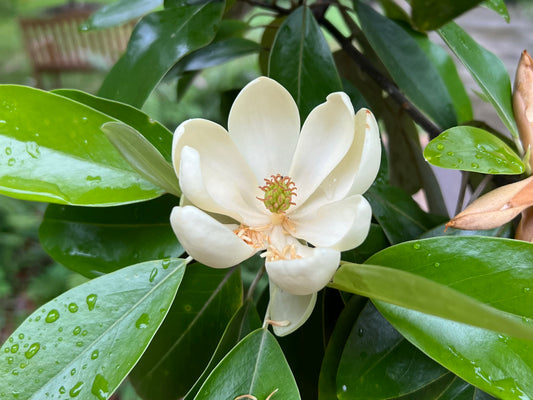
[267, 187]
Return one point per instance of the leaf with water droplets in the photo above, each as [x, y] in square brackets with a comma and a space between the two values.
[467, 148]
[89, 352]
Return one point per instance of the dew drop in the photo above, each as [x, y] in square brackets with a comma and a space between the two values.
[143, 321]
[440, 147]
[32, 149]
[62, 390]
[100, 387]
[76, 330]
[11, 162]
[84, 120]
[52, 316]
[60, 329]
[91, 301]
[165, 263]
[436, 265]
[479, 156]
[10, 360]
[73, 307]
[73, 372]
[8, 150]
[6, 349]
[94, 355]
[79, 344]
[76, 389]
[474, 165]
[15, 372]
[37, 318]
[361, 332]
[34, 349]
[450, 153]
[153, 274]
[14, 348]
[526, 290]
[95, 178]
[416, 246]
[22, 365]
[21, 336]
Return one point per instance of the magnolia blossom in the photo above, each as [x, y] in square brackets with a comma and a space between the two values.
[267, 187]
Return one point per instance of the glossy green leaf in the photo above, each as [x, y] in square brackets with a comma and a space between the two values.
[473, 149]
[327, 383]
[432, 14]
[152, 130]
[498, 6]
[184, 344]
[397, 287]
[298, 56]
[119, 12]
[498, 364]
[83, 343]
[448, 72]
[53, 151]
[408, 65]
[256, 366]
[486, 69]
[398, 214]
[216, 53]
[158, 41]
[142, 156]
[374, 362]
[242, 323]
[93, 241]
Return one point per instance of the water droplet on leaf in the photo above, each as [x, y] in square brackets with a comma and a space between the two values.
[76, 389]
[100, 387]
[91, 301]
[143, 321]
[153, 274]
[34, 349]
[52, 316]
[73, 307]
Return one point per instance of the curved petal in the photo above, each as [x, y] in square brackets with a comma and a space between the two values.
[326, 136]
[216, 171]
[207, 240]
[289, 308]
[264, 123]
[337, 225]
[303, 276]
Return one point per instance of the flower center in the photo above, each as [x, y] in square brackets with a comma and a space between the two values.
[279, 191]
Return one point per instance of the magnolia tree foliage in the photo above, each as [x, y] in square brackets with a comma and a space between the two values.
[281, 255]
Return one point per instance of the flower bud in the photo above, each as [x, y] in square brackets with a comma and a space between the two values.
[523, 101]
[496, 207]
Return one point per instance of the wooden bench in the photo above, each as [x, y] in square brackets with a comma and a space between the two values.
[56, 43]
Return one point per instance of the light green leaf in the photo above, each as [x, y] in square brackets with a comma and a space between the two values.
[158, 41]
[256, 366]
[498, 6]
[98, 240]
[185, 343]
[408, 65]
[142, 156]
[83, 343]
[486, 69]
[53, 151]
[119, 12]
[299, 55]
[467, 148]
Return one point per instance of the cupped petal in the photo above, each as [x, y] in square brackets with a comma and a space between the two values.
[264, 123]
[341, 225]
[327, 134]
[290, 310]
[306, 275]
[216, 171]
[207, 240]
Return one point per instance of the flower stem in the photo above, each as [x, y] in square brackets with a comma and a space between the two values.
[254, 283]
[462, 192]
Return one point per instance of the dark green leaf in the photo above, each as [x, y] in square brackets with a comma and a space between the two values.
[378, 363]
[408, 65]
[184, 344]
[467, 148]
[83, 343]
[119, 12]
[486, 69]
[432, 14]
[158, 41]
[398, 214]
[53, 151]
[256, 366]
[327, 383]
[93, 241]
[157, 134]
[243, 322]
[299, 55]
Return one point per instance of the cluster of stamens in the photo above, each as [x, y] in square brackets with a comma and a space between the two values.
[279, 191]
[287, 253]
[254, 237]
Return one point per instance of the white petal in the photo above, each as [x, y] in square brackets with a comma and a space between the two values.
[207, 240]
[336, 224]
[213, 174]
[326, 136]
[302, 276]
[264, 123]
[284, 306]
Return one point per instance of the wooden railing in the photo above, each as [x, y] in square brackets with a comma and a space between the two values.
[57, 44]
